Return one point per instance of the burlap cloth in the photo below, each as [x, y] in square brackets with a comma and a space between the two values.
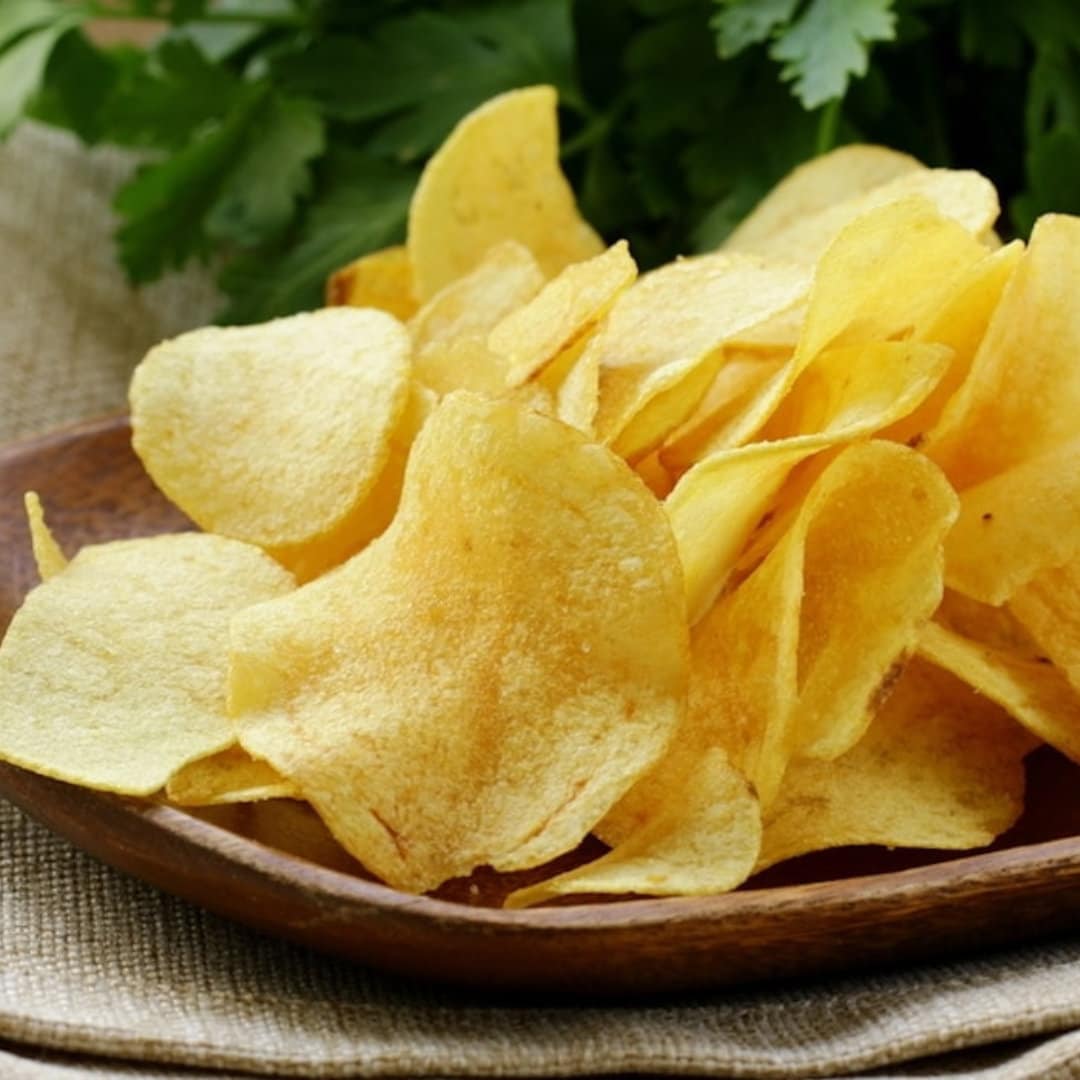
[101, 976]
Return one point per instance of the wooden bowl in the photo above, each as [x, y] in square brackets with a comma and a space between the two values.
[836, 911]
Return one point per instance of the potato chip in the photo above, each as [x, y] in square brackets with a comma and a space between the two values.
[940, 767]
[877, 282]
[575, 383]
[705, 841]
[960, 322]
[112, 673]
[48, 555]
[849, 394]
[658, 350]
[230, 776]
[658, 480]
[516, 655]
[796, 660]
[965, 197]
[1017, 524]
[382, 280]
[564, 312]
[1036, 694]
[1048, 607]
[372, 516]
[989, 650]
[495, 178]
[1022, 396]
[451, 330]
[821, 182]
[273, 434]
[739, 377]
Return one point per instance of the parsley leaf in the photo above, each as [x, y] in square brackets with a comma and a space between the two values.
[421, 73]
[23, 63]
[259, 195]
[743, 23]
[166, 202]
[165, 101]
[829, 43]
[362, 205]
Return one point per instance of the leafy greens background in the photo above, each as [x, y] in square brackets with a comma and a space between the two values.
[284, 137]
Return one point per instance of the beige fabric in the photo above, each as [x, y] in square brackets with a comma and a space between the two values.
[101, 976]
[70, 326]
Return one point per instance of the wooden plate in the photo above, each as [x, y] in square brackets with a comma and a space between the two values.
[830, 912]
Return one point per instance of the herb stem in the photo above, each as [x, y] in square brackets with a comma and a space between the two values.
[828, 126]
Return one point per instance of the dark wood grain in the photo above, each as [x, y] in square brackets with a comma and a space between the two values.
[275, 868]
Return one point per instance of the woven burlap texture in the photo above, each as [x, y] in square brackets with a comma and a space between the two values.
[101, 976]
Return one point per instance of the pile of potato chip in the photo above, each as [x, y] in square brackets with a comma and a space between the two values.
[765, 551]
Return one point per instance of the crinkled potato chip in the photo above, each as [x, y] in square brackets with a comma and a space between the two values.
[451, 330]
[963, 196]
[878, 280]
[495, 178]
[564, 312]
[273, 434]
[1048, 607]
[959, 323]
[740, 376]
[848, 394]
[1022, 395]
[230, 776]
[113, 672]
[705, 841]
[48, 556]
[516, 659]
[821, 182]
[382, 280]
[990, 651]
[798, 657]
[940, 767]
[576, 389]
[1015, 525]
[658, 350]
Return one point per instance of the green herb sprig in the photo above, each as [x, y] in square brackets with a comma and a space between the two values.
[284, 137]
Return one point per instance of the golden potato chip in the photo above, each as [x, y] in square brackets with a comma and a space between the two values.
[705, 841]
[273, 434]
[48, 555]
[960, 323]
[1022, 395]
[658, 349]
[112, 673]
[370, 517]
[821, 182]
[986, 648]
[690, 307]
[1015, 525]
[382, 280]
[575, 383]
[848, 394]
[965, 197]
[795, 661]
[779, 333]
[516, 657]
[876, 282]
[1048, 607]
[563, 312]
[658, 480]
[739, 377]
[230, 776]
[495, 178]
[451, 330]
[940, 767]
